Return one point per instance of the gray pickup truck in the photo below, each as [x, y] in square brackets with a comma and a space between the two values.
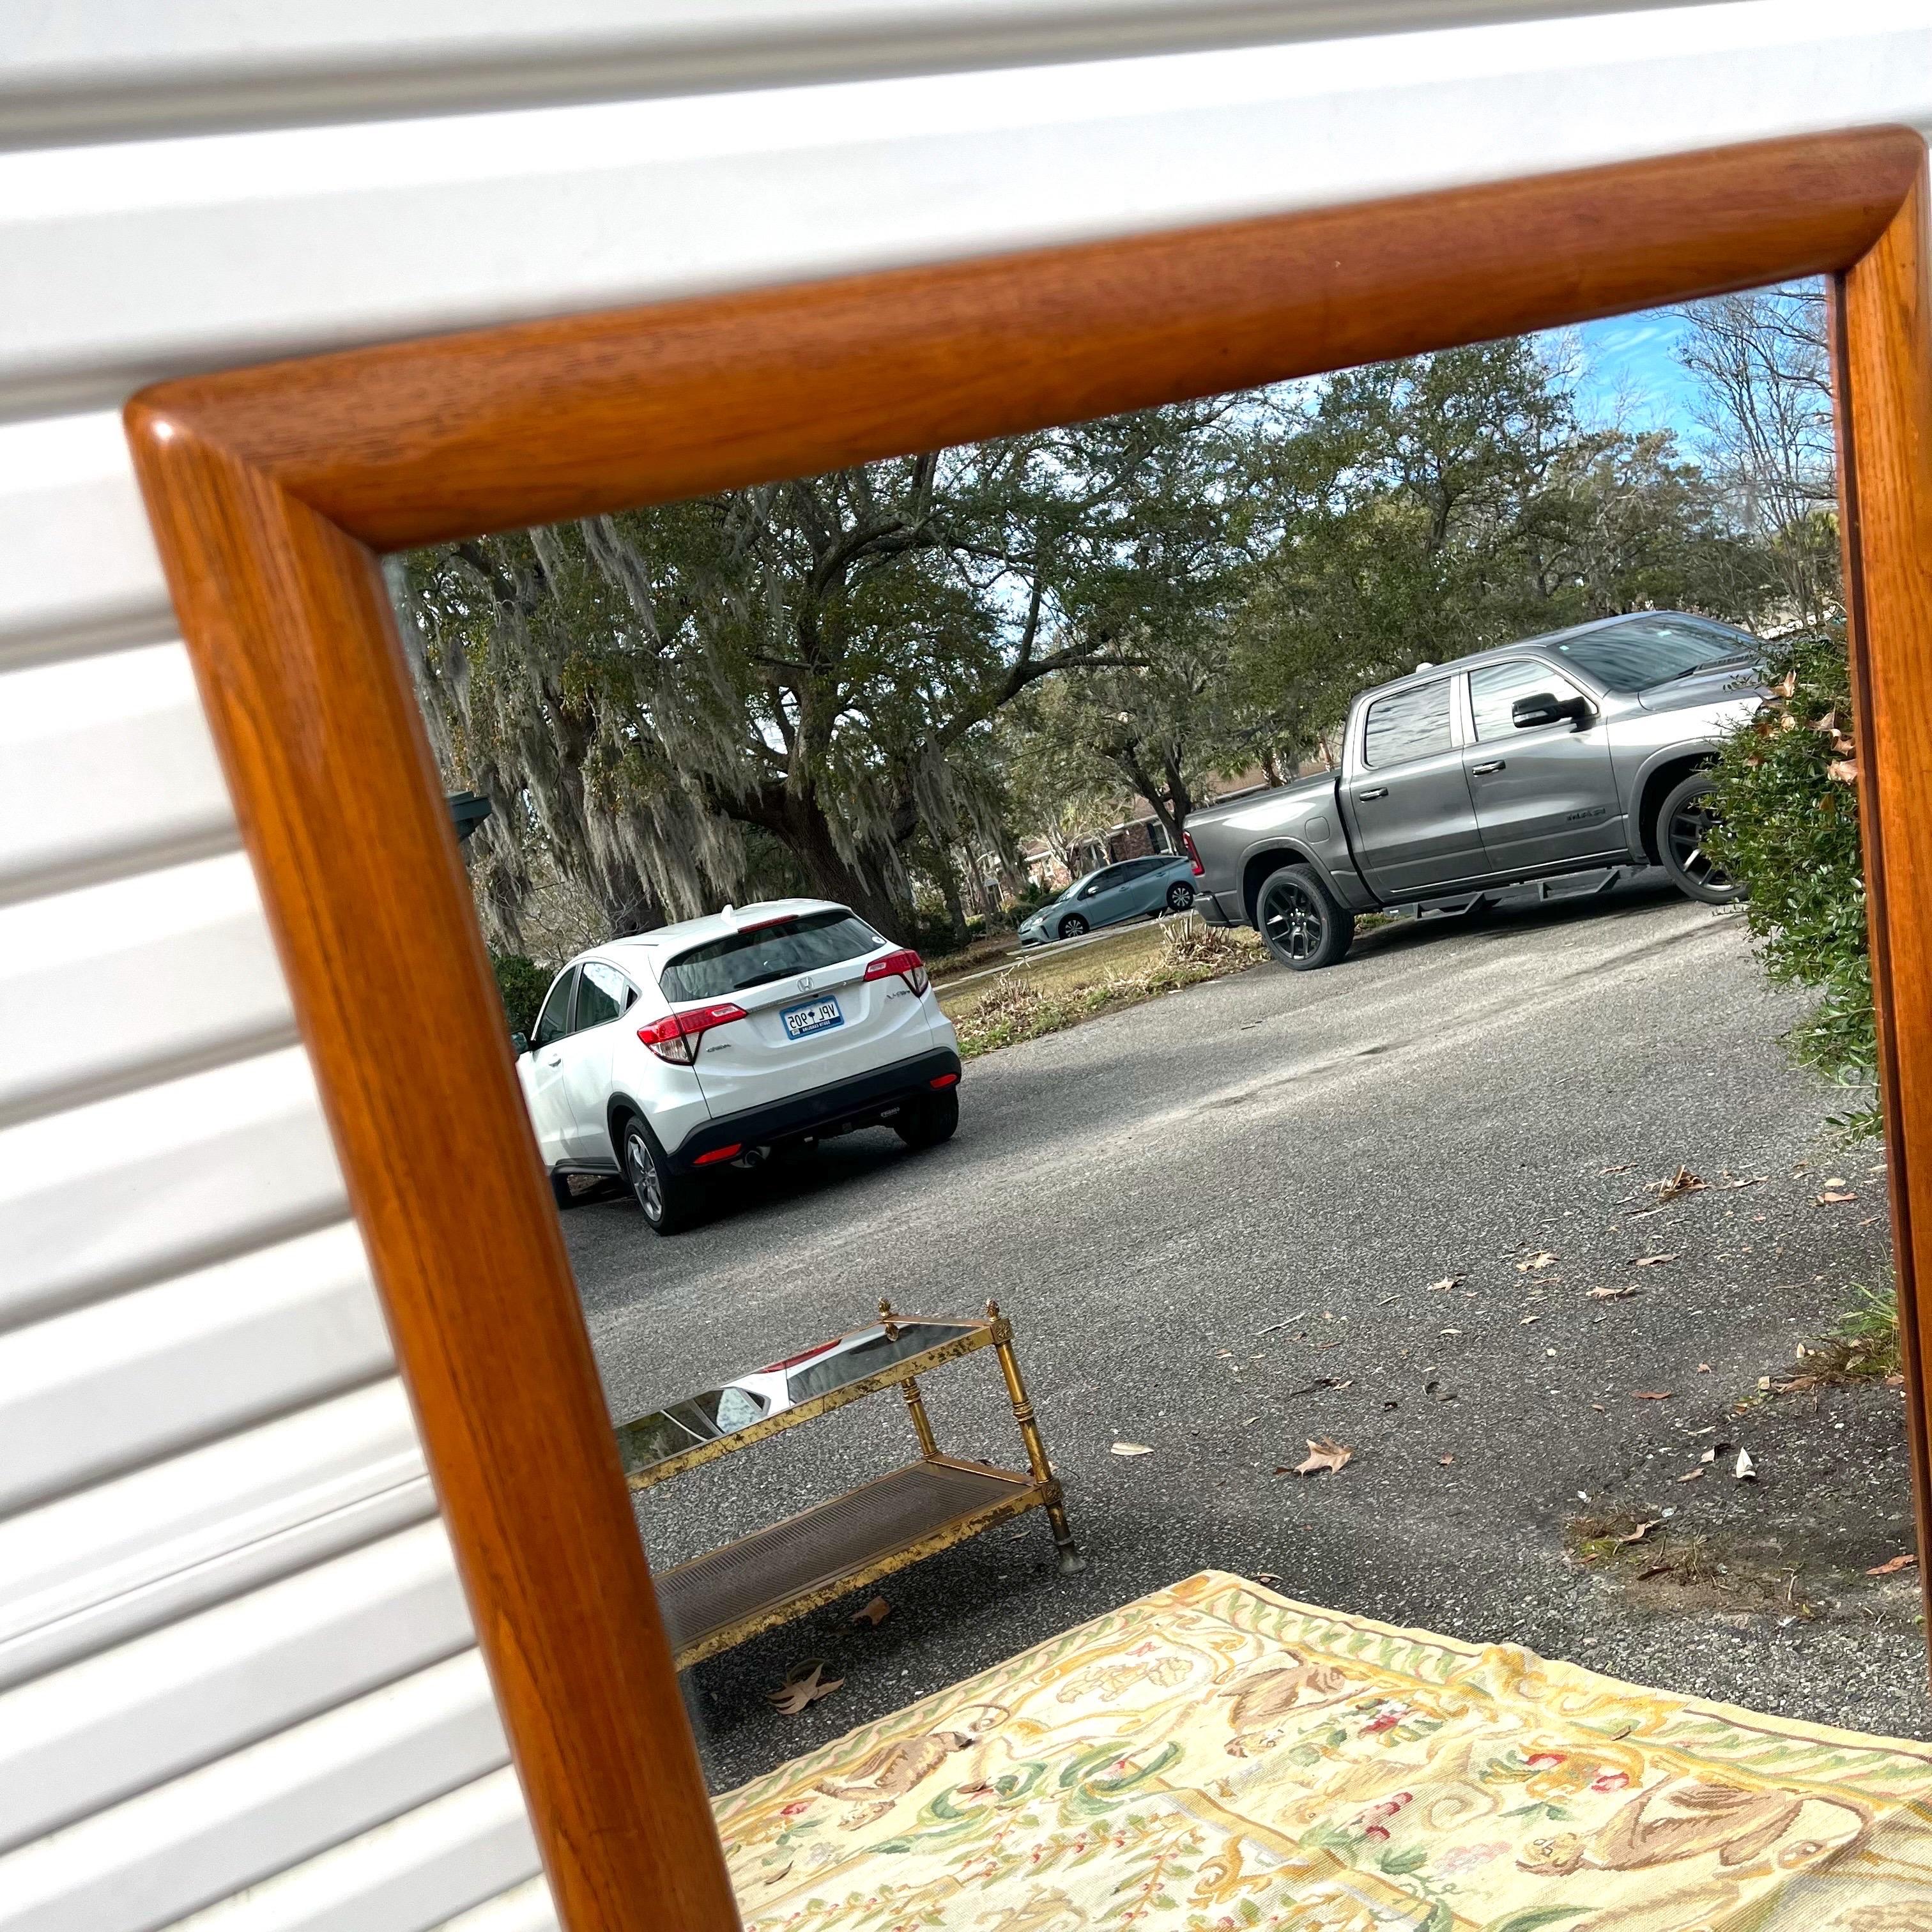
[1567, 753]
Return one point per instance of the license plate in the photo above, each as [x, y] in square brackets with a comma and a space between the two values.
[814, 1016]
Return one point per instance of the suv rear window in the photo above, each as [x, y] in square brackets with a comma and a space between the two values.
[801, 944]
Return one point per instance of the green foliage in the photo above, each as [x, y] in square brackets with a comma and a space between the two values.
[1786, 796]
[523, 983]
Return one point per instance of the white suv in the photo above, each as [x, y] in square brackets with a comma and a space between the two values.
[708, 1043]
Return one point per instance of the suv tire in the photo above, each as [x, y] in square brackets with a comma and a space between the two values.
[1302, 924]
[926, 1122]
[1680, 826]
[667, 1202]
[1071, 927]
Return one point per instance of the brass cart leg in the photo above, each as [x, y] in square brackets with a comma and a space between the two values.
[915, 1402]
[1071, 1561]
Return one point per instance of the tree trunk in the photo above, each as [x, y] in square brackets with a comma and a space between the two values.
[807, 833]
[947, 873]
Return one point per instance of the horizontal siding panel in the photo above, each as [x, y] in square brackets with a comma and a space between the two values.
[179, 969]
[118, 264]
[140, 65]
[198, 1839]
[529, 1908]
[106, 764]
[410, 1876]
[69, 501]
[121, 1193]
[125, 1721]
[88, 1394]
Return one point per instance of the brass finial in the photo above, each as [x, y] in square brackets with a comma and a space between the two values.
[992, 1310]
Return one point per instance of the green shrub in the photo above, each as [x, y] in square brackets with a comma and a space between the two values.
[523, 983]
[1786, 799]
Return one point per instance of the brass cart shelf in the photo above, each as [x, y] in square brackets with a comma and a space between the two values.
[732, 1593]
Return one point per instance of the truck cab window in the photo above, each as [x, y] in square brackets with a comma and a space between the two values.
[1495, 688]
[1410, 724]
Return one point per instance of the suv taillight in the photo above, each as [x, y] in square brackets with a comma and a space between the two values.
[1200, 870]
[906, 963]
[676, 1037]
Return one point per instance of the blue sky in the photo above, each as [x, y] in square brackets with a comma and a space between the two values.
[1627, 360]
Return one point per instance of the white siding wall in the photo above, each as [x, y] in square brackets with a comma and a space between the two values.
[237, 1683]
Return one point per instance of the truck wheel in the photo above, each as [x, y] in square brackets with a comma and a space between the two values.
[1683, 821]
[1300, 920]
[1072, 926]
[668, 1201]
[1180, 896]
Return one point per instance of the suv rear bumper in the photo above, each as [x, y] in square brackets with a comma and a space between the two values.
[866, 1100]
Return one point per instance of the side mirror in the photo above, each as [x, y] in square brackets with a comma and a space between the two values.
[1546, 708]
[519, 1045]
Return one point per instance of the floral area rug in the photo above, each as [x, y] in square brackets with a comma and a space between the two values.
[1214, 1758]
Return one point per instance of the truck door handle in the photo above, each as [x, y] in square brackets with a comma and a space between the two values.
[1483, 771]
[1374, 791]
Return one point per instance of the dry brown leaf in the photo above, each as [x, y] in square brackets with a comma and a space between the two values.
[1449, 1281]
[875, 1613]
[1624, 1169]
[1894, 1381]
[1528, 1319]
[1682, 1182]
[1266, 1577]
[1132, 1449]
[1324, 1453]
[1611, 1293]
[1705, 1369]
[1845, 770]
[1651, 1260]
[1831, 1195]
[1892, 1568]
[804, 1684]
[1692, 1476]
[1650, 1395]
[1445, 1460]
[1746, 1470]
[1542, 1259]
[1643, 1530]
[1829, 723]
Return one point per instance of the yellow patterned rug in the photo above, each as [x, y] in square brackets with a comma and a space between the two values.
[1214, 1758]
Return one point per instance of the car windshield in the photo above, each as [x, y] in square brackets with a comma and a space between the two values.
[1072, 891]
[801, 942]
[1634, 656]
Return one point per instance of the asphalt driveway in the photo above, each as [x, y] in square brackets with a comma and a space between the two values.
[1215, 1220]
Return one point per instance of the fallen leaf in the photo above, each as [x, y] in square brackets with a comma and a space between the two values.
[1650, 1395]
[804, 1684]
[1528, 1319]
[875, 1613]
[1892, 1568]
[1832, 1195]
[1894, 1381]
[1829, 723]
[1324, 1454]
[1709, 1456]
[1133, 1449]
[1692, 1477]
[1449, 1281]
[1445, 1460]
[1543, 1259]
[1651, 1260]
[1624, 1169]
[1682, 1182]
[1746, 1470]
[1705, 1369]
[1266, 1577]
[1643, 1530]
[1611, 1294]
[1845, 770]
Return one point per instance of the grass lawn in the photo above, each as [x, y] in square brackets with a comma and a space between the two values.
[1041, 995]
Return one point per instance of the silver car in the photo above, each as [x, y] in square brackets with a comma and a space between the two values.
[1133, 889]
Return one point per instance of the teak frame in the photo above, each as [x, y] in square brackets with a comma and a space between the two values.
[271, 490]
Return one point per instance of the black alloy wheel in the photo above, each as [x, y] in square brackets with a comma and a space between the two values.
[1684, 824]
[1300, 923]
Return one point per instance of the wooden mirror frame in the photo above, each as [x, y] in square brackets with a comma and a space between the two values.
[273, 489]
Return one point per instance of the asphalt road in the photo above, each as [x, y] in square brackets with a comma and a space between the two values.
[1197, 1210]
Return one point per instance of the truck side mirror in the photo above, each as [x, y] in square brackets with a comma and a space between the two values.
[1546, 708]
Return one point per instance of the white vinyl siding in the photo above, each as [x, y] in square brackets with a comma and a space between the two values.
[237, 1687]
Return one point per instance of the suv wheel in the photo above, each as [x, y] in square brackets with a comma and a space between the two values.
[1683, 822]
[1300, 922]
[666, 1201]
[926, 1122]
[1072, 926]
[1180, 896]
